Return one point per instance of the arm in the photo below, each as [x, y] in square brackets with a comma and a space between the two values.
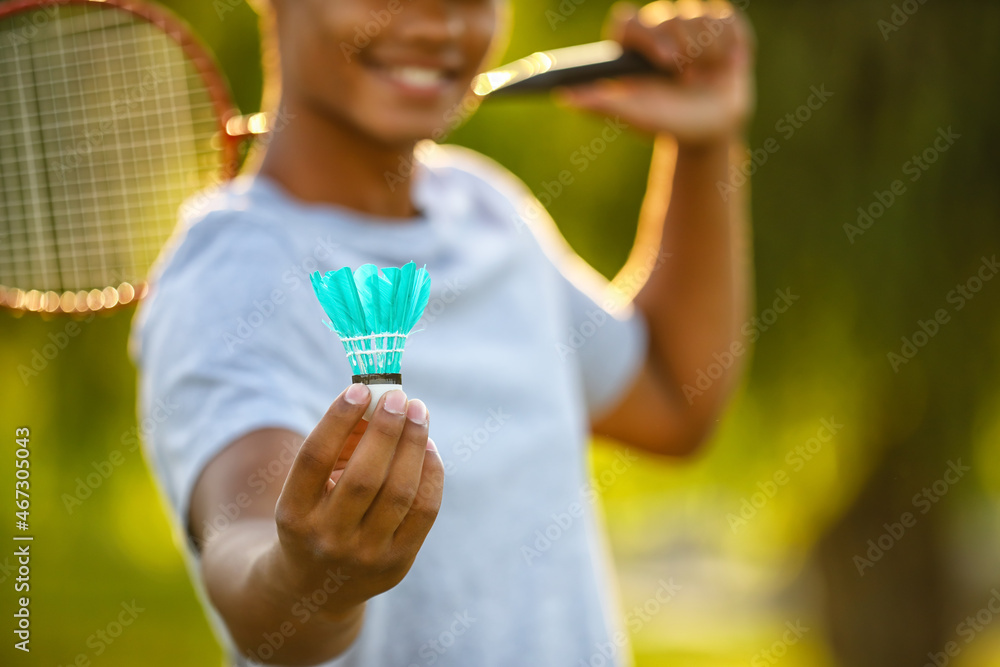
[696, 298]
[693, 303]
[297, 534]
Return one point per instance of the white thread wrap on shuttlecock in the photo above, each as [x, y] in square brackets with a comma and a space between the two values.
[373, 312]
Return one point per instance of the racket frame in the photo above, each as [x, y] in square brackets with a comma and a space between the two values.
[126, 293]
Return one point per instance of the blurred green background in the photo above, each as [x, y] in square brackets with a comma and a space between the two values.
[792, 556]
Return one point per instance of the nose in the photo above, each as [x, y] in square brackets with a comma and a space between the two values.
[431, 22]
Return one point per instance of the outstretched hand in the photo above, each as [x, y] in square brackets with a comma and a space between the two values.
[359, 498]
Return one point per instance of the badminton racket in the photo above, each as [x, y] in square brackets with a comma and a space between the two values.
[112, 113]
[545, 70]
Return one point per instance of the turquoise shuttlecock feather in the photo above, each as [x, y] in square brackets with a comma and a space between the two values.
[373, 312]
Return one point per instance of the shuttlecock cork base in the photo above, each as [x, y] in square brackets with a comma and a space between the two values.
[373, 313]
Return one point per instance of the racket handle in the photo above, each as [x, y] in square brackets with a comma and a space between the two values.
[546, 70]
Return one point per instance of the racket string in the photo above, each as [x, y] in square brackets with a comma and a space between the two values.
[92, 180]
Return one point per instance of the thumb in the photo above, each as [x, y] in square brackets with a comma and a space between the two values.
[599, 97]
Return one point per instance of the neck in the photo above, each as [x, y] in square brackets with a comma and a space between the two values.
[318, 159]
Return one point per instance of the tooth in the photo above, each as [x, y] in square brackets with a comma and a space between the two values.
[418, 76]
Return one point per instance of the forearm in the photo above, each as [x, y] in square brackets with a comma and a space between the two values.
[698, 294]
[271, 618]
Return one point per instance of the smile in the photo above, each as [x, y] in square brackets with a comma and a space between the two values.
[424, 79]
[418, 77]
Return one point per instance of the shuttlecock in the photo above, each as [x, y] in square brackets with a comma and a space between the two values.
[372, 313]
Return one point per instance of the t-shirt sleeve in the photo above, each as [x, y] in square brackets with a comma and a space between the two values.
[214, 363]
[610, 342]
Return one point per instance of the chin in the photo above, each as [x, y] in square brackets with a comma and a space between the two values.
[405, 105]
[406, 128]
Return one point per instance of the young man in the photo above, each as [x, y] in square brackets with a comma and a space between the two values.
[311, 528]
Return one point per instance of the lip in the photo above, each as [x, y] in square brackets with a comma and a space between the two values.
[416, 78]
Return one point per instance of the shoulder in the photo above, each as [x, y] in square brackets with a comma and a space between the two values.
[223, 254]
[231, 210]
[220, 232]
[479, 174]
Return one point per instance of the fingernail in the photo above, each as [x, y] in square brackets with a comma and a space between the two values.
[395, 402]
[416, 412]
[431, 447]
[357, 394]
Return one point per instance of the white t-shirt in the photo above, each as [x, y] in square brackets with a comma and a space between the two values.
[511, 358]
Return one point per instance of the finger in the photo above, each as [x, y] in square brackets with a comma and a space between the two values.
[366, 471]
[619, 14]
[707, 40]
[612, 97]
[394, 499]
[307, 478]
[675, 35]
[646, 105]
[642, 31]
[744, 41]
[426, 505]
